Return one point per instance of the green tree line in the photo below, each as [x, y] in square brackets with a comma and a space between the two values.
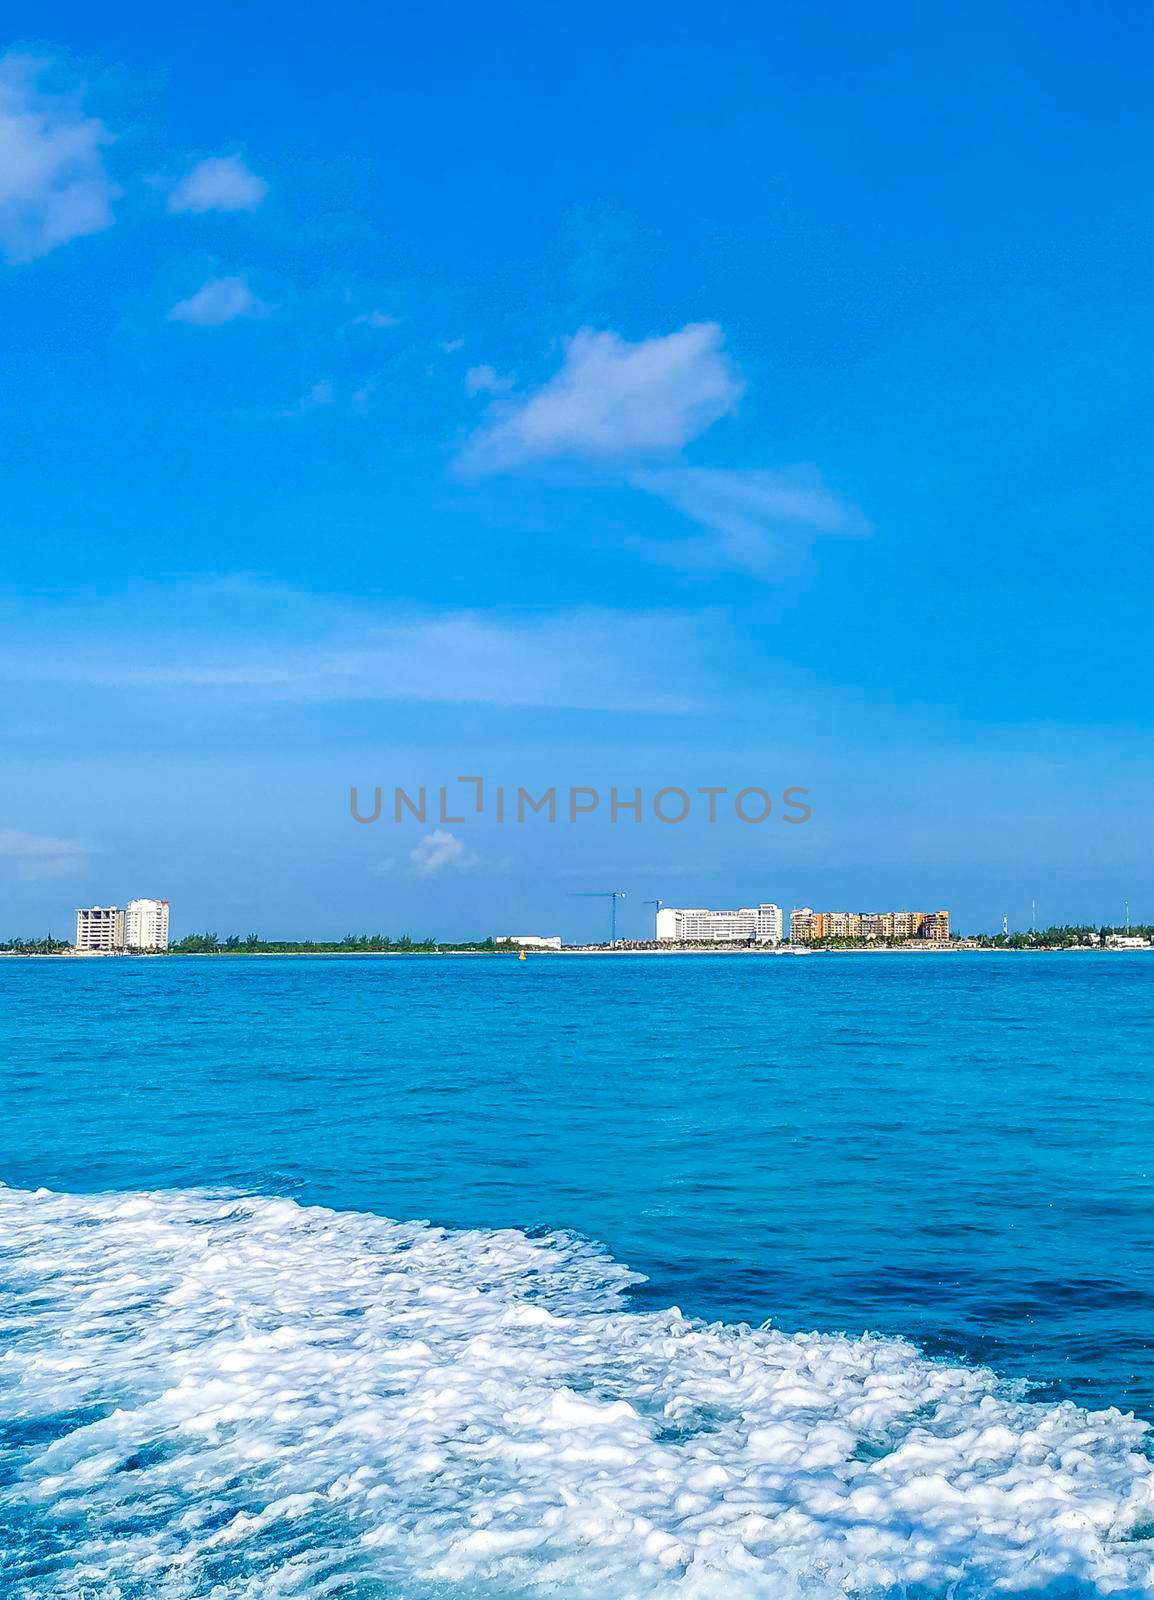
[198, 944]
[1063, 936]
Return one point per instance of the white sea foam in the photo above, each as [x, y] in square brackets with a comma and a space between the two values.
[241, 1397]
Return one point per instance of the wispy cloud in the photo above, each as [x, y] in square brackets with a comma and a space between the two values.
[243, 639]
[53, 182]
[34, 856]
[326, 394]
[623, 414]
[763, 523]
[441, 852]
[375, 319]
[218, 301]
[487, 380]
[613, 401]
[318, 395]
[219, 183]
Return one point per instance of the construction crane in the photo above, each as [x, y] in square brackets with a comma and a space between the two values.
[657, 905]
[612, 895]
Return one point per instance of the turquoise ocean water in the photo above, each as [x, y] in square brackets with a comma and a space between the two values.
[213, 1395]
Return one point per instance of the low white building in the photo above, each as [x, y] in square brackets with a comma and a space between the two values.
[146, 925]
[695, 925]
[531, 941]
[100, 928]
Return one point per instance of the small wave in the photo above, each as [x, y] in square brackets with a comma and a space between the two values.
[243, 1398]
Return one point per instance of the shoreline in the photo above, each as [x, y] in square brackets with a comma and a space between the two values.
[568, 950]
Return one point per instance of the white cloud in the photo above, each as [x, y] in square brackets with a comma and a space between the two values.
[240, 638]
[38, 856]
[451, 346]
[617, 409]
[440, 852]
[376, 319]
[219, 183]
[318, 394]
[324, 393]
[763, 523]
[217, 301]
[581, 659]
[53, 184]
[487, 380]
[613, 400]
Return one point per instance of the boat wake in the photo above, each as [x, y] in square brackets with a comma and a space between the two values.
[210, 1395]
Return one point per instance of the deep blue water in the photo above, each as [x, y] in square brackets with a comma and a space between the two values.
[956, 1149]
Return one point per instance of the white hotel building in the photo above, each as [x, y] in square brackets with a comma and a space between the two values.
[146, 925]
[100, 928]
[142, 925]
[752, 924]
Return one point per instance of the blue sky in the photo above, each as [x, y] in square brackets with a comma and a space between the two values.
[675, 397]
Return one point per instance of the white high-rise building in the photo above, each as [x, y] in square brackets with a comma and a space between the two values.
[100, 928]
[685, 925]
[146, 925]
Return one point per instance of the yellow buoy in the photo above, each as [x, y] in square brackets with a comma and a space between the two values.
[520, 955]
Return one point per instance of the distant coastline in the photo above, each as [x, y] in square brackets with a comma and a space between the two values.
[621, 949]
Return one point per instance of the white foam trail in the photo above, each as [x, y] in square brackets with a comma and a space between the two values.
[241, 1397]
